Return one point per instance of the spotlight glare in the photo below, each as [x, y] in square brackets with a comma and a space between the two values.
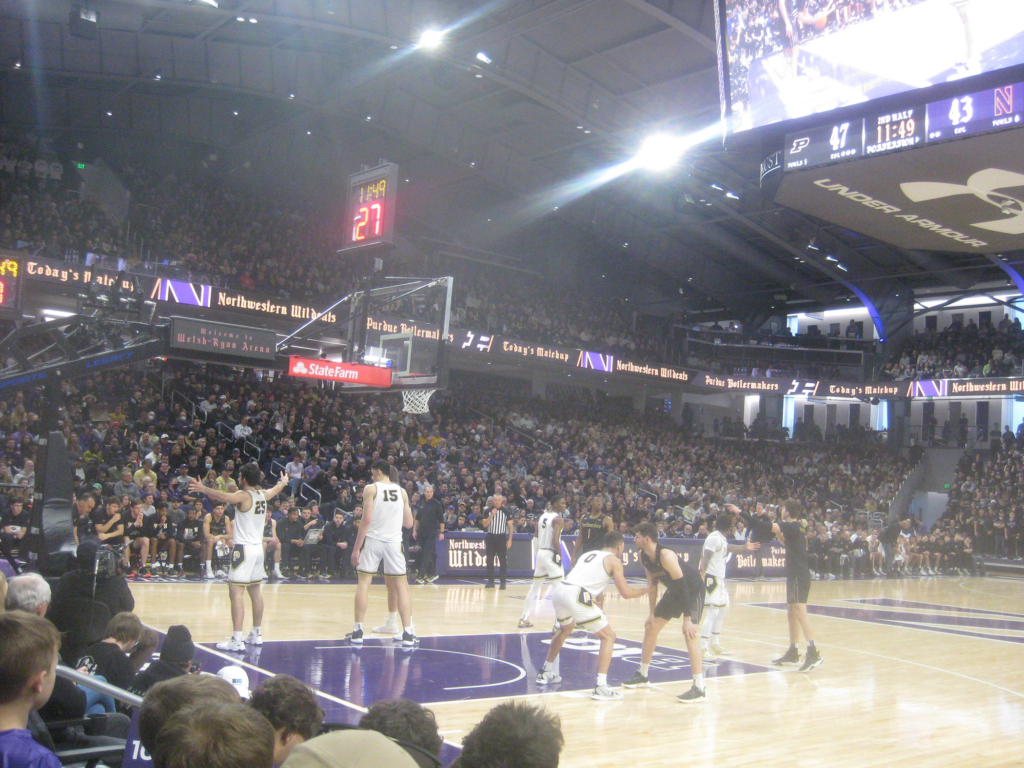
[660, 152]
[483, 57]
[252, 21]
[431, 38]
[239, 18]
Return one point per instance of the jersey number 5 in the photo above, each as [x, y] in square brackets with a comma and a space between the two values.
[390, 495]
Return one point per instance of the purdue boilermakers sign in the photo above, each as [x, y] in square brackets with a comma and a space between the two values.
[965, 196]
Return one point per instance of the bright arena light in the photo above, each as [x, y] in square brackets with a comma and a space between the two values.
[660, 152]
[431, 38]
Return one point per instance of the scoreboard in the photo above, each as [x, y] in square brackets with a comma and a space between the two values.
[10, 288]
[906, 127]
[370, 212]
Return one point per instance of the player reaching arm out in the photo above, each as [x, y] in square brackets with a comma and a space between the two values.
[240, 500]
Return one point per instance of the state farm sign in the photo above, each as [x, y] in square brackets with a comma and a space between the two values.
[346, 373]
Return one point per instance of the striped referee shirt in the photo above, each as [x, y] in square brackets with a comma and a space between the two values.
[499, 522]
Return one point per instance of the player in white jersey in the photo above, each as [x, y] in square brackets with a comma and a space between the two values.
[712, 569]
[386, 511]
[549, 552]
[574, 601]
[247, 553]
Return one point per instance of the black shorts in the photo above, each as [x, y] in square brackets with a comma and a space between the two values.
[676, 603]
[798, 587]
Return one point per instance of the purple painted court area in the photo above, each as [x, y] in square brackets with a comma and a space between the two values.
[453, 668]
[965, 622]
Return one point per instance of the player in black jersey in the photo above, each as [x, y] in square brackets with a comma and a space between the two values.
[217, 528]
[791, 530]
[684, 597]
[190, 536]
[593, 527]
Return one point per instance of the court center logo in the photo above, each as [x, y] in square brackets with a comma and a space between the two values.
[982, 185]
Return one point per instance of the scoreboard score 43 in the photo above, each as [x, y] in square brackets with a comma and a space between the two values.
[906, 127]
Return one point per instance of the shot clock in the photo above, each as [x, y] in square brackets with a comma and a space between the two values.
[906, 127]
[370, 212]
[10, 287]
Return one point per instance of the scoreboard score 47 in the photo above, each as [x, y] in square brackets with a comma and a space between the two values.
[906, 126]
[370, 211]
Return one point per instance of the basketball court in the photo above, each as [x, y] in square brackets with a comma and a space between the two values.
[916, 672]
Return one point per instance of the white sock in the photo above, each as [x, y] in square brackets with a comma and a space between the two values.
[698, 682]
[545, 667]
[644, 669]
[393, 618]
[715, 638]
[255, 630]
[602, 680]
[409, 629]
[236, 635]
[555, 664]
[357, 626]
[209, 566]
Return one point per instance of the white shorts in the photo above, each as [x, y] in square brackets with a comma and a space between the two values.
[574, 603]
[546, 566]
[246, 564]
[716, 595]
[374, 552]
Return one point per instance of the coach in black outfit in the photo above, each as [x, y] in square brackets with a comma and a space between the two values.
[429, 527]
[499, 539]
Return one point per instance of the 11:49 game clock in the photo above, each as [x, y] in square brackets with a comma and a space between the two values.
[370, 212]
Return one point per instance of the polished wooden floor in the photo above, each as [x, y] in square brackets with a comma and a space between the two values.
[885, 695]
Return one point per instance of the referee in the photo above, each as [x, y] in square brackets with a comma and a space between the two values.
[498, 539]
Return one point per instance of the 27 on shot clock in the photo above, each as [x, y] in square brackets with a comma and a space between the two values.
[370, 213]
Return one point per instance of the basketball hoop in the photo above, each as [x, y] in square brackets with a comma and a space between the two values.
[416, 400]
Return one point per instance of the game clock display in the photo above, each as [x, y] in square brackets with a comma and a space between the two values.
[906, 127]
[371, 207]
[10, 288]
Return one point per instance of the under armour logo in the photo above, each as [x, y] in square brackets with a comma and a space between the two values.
[982, 185]
[799, 145]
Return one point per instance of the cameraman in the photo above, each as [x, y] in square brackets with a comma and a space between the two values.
[111, 589]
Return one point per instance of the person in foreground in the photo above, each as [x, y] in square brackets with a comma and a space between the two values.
[574, 600]
[28, 669]
[513, 735]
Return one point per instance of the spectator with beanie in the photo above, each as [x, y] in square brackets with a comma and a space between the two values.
[28, 668]
[176, 656]
[292, 709]
[350, 748]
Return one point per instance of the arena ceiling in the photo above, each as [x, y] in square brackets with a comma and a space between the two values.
[570, 89]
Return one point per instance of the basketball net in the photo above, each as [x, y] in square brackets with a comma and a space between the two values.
[416, 400]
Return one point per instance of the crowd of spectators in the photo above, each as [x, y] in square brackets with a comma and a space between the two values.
[984, 499]
[200, 230]
[132, 467]
[960, 351]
